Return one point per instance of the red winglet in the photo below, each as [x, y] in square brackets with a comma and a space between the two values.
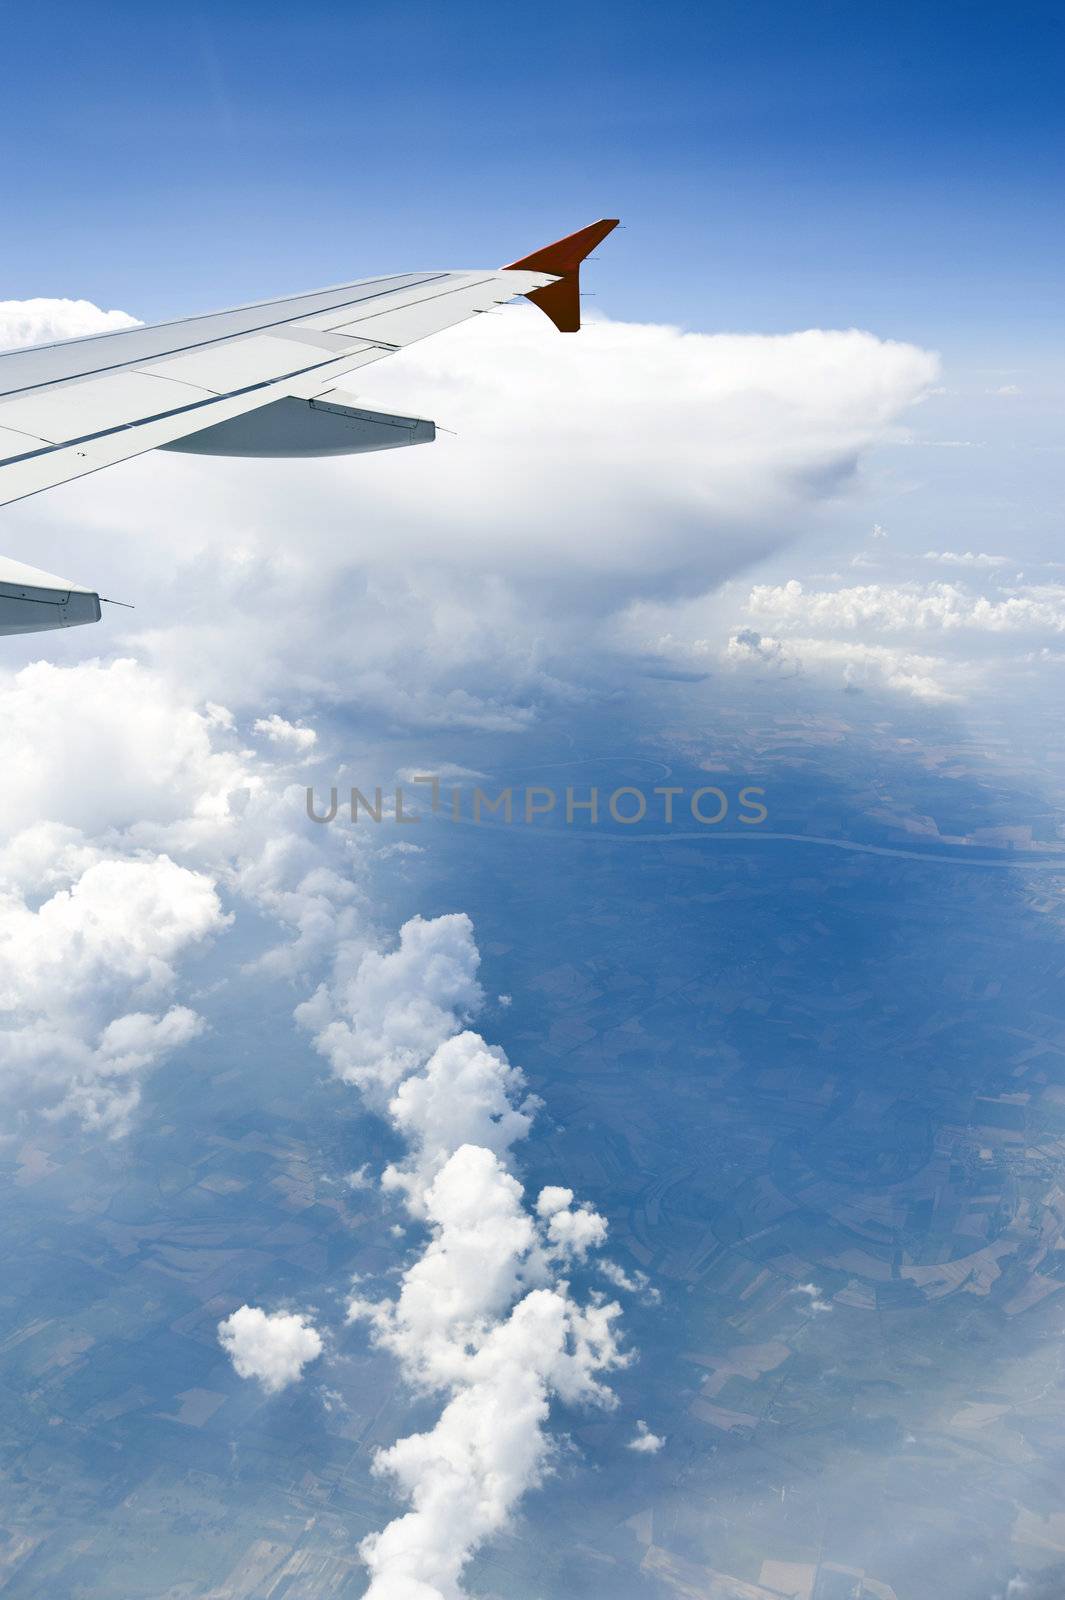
[561, 301]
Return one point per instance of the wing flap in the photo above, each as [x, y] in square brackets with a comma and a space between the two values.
[331, 426]
[33, 602]
[48, 465]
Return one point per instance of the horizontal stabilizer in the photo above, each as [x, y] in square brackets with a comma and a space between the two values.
[33, 601]
[332, 425]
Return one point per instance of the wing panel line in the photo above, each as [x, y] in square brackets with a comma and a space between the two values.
[196, 405]
[198, 344]
[174, 411]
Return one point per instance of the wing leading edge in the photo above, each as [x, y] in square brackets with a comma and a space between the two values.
[256, 380]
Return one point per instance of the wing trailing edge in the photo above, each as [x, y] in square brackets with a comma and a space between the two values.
[331, 425]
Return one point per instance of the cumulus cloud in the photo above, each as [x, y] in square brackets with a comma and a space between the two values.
[484, 1317]
[131, 826]
[740, 429]
[25, 322]
[846, 661]
[468, 1094]
[965, 558]
[272, 1347]
[387, 1016]
[119, 921]
[410, 580]
[278, 731]
[571, 1230]
[486, 1250]
[832, 634]
[814, 1295]
[942, 607]
[106, 745]
[644, 1441]
[747, 647]
[77, 967]
[631, 1282]
[479, 1319]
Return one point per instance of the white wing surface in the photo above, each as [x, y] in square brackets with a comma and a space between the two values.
[257, 380]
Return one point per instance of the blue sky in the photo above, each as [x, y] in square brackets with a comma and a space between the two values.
[776, 165]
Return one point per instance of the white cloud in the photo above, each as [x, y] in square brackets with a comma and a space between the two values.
[410, 580]
[468, 1094]
[382, 1016]
[483, 1316]
[747, 647]
[77, 967]
[468, 1323]
[844, 662]
[107, 1096]
[646, 1442]
[855, 665]
[131, 825]
[108, 745]
[119, 921]
[273, 1347]
[943, 607]
[965, 558]
[631, 1282]
[572, 1230]
[741, 428]
[814, 1295]
[25, 322]
[278, 731]
[863, 636]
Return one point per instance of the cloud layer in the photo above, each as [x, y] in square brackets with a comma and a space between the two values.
[441, 586]
[133, 824]
[900, 608]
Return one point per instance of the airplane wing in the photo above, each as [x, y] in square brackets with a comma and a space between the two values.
[259, 380]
